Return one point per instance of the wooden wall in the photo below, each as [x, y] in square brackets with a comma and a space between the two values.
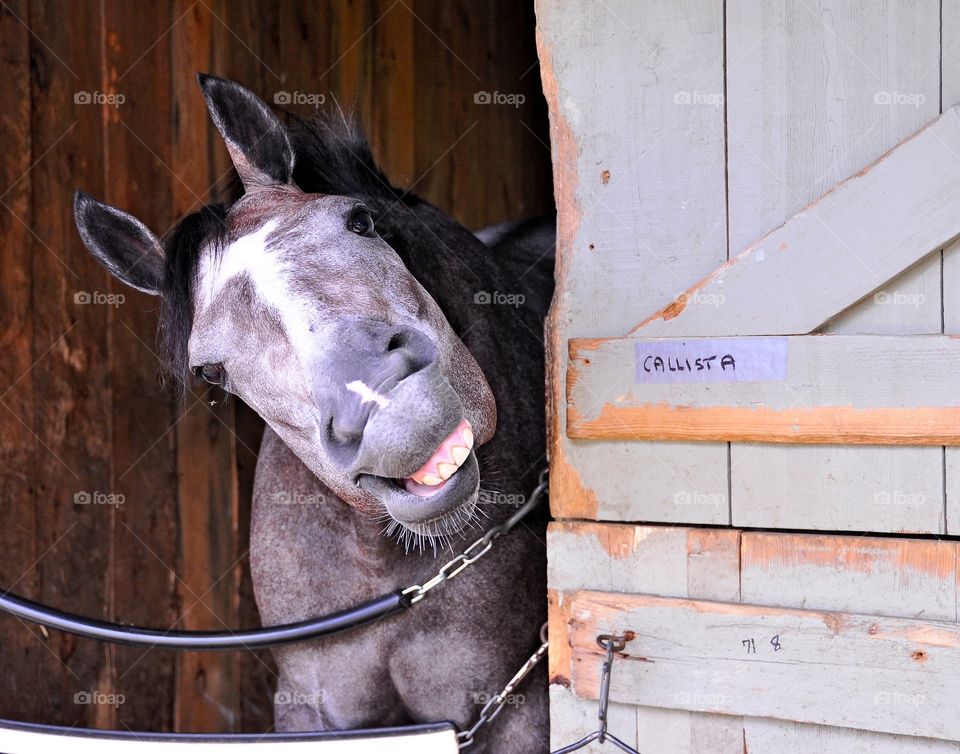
[685, 133]
[81, 409]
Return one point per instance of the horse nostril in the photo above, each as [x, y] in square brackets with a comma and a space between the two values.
[397, 340]
[343, 440]
[409, 351]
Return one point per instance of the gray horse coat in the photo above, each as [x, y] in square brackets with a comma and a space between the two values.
[398, 363]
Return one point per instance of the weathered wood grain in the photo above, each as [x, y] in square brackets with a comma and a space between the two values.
[145, 541]
[849, 389]
[876, 673]
[71, 376]
[18, 445]
[805, 100]
[909, 578]
[950, 95]
[762, 736]
[894, 207]
[671, 561]
[677, 561]
[630, 223]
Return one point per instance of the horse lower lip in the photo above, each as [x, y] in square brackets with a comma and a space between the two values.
[408, 508]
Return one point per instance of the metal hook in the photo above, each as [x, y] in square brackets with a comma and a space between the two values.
[611, 643]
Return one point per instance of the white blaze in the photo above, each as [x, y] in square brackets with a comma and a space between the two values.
[367, 394]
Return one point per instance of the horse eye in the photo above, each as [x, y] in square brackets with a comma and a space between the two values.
[215, 374]
[360, 222]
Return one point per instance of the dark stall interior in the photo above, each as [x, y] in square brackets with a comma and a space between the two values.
[118, 499]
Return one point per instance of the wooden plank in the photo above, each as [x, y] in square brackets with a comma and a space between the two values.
[71, 349]
[952, 490]
[631, 224]
[852, 488]
[882, 674]
[881, 576]
[392, 123]
[796, 130]
[676, 561]
[145, 536]
[909, 578]
[867, 81]
[670, 561]
[18, 446]
[762, 736]
[208, 683]
[849, 389]
[894, 207]
[571, 718]
[646, 728]
[950, 95]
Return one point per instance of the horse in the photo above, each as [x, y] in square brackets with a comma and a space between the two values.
[397, 361]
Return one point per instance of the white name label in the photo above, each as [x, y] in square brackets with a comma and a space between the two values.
[712, 360]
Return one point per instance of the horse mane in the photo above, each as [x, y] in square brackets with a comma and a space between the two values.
[331, 156]
[182, 253]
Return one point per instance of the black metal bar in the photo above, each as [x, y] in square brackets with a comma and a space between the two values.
[268, 636]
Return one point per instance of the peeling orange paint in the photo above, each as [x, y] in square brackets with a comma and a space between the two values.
[833, 622]
[618, 541]
[559, 657]
[674, 308]
[801, 425]
[577, 346]
[931, 635]
[569, 497]
[869, 555]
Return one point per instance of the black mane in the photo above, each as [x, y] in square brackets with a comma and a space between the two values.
[182, 247]
[332, 156]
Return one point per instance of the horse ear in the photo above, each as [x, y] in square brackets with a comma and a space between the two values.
[120, 242]
[256, 139]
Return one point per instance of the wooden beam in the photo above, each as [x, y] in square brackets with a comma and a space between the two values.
[901, 390]
[630, 223]
[908, 578]
[146, 535]
[889, 675]
[841, 248]
[792, 139]
[675, 561]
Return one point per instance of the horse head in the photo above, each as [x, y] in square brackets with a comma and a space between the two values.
[292, 301]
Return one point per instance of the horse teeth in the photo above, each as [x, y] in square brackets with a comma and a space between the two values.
[430, 480]
[467, 435]
[446, 470]
[459, 454]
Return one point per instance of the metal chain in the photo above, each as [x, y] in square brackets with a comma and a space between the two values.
[479, 548]
[456, 566]
[495, 706]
